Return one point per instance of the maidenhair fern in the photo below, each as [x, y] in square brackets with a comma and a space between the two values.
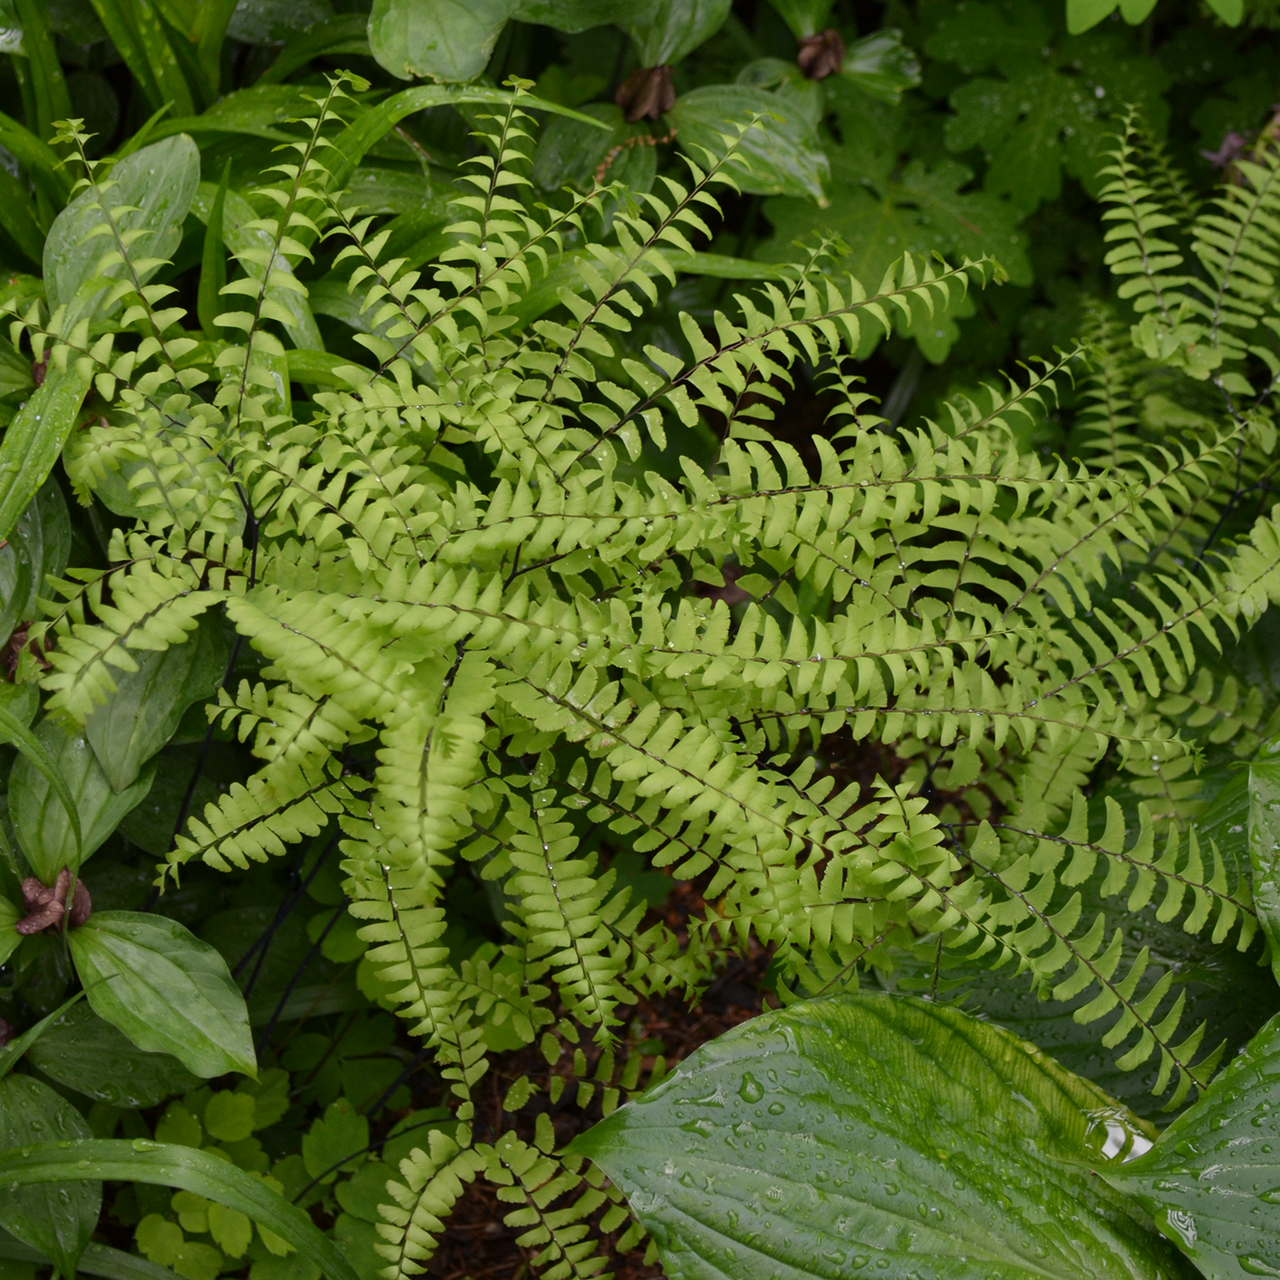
[489, 628]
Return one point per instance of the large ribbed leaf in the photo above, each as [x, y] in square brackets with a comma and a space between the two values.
[1212, 1181]
[883, 1136]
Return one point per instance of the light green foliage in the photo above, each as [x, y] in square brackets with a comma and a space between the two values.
[487, 626]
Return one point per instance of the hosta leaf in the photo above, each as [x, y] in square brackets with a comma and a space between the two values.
[58, 1217]
[9, 936]
[143, 713]
[182, 1167]
[1264, 849]
[165, 989]
[82, 1051]
[1212, 1181]
[44, 829]
[876, 1133]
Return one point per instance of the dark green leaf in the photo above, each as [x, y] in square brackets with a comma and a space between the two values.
[242, 236]
[52, 100]
[83, 1052]
[143, 713]
[96, 1260]
[138, 33]
[38, 158]
[344, 33]
[880, 1134]
[1264, 848]
[37, 804]
[213, 263]
[269, 21]
[779, 155]
[666, 30]
[342, 1132]
[57, 1217]
[571, 152]
[183, 1167]
[159, 183]
[1212, 1180]
[804, 17]
[165, 989]
[9, 936]
[38, 545]
[34, 439]
[12, 1053]
[574, 15]
[358, 137]
[881, 65]
[448, 40]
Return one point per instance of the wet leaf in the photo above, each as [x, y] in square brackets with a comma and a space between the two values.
[878, 1134]
[58, 1217]
[82, 1051]
[44, 829]
[1212, 1181]
[165, 989]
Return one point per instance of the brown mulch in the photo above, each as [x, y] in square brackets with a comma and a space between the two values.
[476, 1245]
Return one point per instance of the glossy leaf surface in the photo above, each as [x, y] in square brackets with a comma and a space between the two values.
[56, 1217]
[878, 1134]
[1212, 1181]
[37, 545]
[44, 829]
[1264, 849]
[181, 1167]
[84, 1052]
[665, 31]
[447, 40]
[778, 155]
[152, 191]
[143, 713]
[165, 989]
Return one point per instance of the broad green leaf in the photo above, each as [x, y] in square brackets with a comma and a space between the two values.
[143, 713]
[1264, 848]
[242, 237]
[34, 439]
[1083, 14]
[665, 31]
[571, 152]
[96, 1260]
[447, 40]
[778, 155]
[181, 1167]
[877, 1135]
[38, 545]
[256, 112]
[574, 15]
[165, 989]
[57, 1217]
[881, 65]
[9, 936]
[13, 1052]
[363, 133]
[39, 774]
[81, 1051]
[804, 17]
[15, 369]
[19, 216]
[344, 33]
[157, 184]
[10, 29]
[50, 176]
[45, 831]
[267, 21]
[1212, 1180]
[1230, 11]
